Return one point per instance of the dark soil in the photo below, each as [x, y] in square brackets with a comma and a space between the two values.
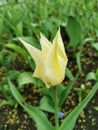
[15, 118]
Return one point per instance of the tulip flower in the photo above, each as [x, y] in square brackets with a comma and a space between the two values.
[50, 61]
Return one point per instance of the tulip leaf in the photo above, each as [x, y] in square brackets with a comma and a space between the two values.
[65, 92]
[31, 41]
[39, 117]
[95, 45]
[18, 49]
[69, 74]
[96, 108]
[23, 52]
[91, 76]
[1, 26]
[19, 28]
[49, 92]
[46, 104]
[78, 58]
[12, 74]
[26, 78]
[70, 121]
[74, 31]
[35, 113]
[16, 94]
[97, 74]
[10, 102]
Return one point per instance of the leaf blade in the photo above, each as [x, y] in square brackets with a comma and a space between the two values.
[74, 31]
[72, 117]
[35, 113]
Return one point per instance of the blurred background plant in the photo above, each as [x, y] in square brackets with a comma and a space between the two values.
[26, 19]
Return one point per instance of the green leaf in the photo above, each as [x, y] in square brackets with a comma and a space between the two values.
[32, 41]
[47, 92]
[31, 63]
[91, 76]
[39, 117]
[74, 31]
[78, 58]
[88, 39]
[1, 26]
[15, 93]
[96, 108]
[23, 52]
[19, 29]
[97, 74]
[35, 113]
[46, 104]
[50, 93]
[12, 74]
[95, 45]
[6, 62]
[26, 78]
[10, 102]
[65, 92]
[18, 49]
[70, 121]
[69, 74]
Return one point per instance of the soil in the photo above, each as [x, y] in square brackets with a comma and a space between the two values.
[15, 118]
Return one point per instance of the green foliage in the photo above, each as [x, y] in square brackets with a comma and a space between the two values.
[46, 104]
[78, 59]
[35, 113]
[26, 78]
[47, 101]
[32, 17]
[74, 31]
[22, 79]
[72, 117]
[82, 92]
[95, 45]
[6, 58]
[92, 76]
[66, 92]
[69, 74]
[39, 117]
[4, 88]
[18, 49]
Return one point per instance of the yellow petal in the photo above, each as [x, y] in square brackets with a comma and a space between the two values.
[36, 55]
[56, 60]
[54, 68]
[40, 70]
[51, 58]
[63, 65]
[45, 44]
[60, 46]
[34, 52]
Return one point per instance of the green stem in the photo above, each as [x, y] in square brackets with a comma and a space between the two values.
[56, 108]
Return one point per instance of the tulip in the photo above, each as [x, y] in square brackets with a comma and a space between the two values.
[50, 61]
